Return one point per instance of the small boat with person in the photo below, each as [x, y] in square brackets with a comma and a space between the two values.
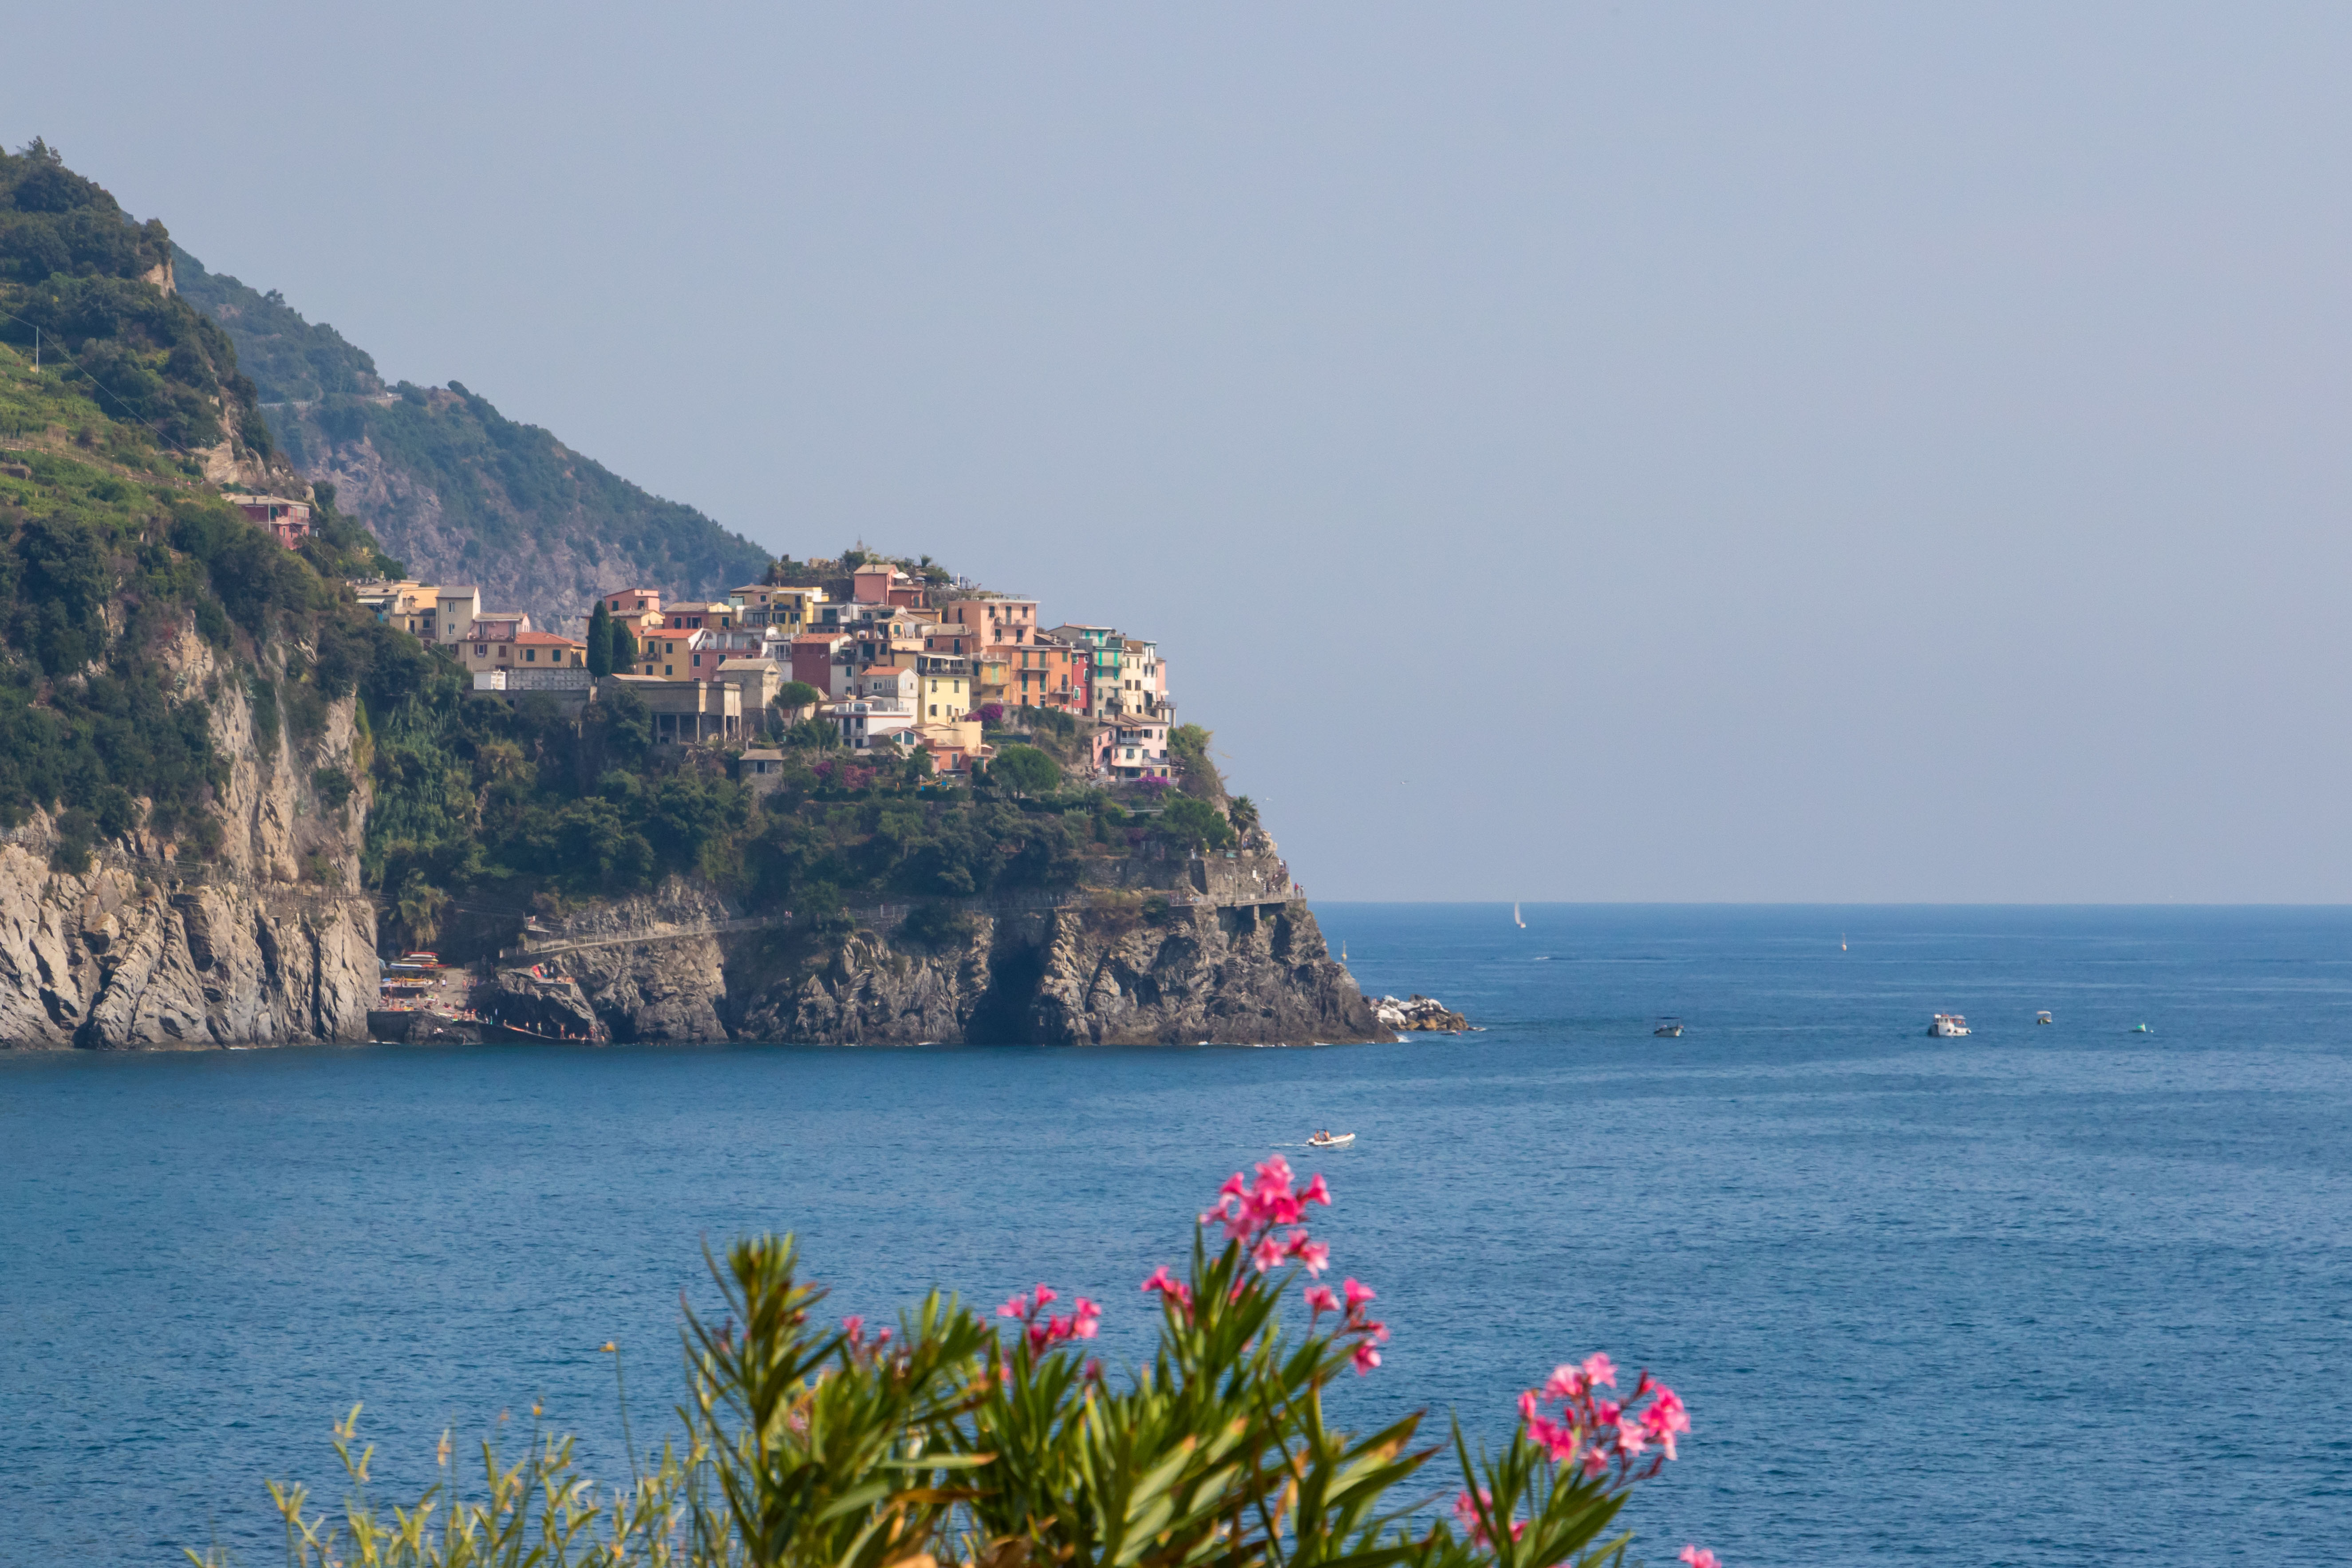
[1330, 1140]
[1669, 1028]
[1948, 1026]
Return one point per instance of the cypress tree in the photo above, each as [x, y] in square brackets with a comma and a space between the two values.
[600, 641]
[624, 650]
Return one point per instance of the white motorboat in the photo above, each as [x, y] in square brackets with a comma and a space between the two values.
[1330, 1140]
[1669, 1028]
[1948, 1026]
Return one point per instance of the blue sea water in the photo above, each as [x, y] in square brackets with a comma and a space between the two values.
[2043, 1295]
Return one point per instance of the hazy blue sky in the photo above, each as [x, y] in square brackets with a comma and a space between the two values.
[1632, 452]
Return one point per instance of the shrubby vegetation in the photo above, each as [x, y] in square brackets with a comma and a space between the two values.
[105, 557]
[506, 486]
[998, 1443]
[290, 360]
[72, 265]
[111, 551]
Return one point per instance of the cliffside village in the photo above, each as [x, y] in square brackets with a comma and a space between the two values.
[901, 662]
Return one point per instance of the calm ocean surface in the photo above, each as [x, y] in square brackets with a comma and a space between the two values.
[2060, 1294]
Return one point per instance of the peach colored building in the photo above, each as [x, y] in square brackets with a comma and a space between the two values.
[994, 618]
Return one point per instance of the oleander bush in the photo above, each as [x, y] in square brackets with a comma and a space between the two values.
[956, 1439]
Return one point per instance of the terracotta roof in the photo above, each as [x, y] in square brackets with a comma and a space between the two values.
[545, 639]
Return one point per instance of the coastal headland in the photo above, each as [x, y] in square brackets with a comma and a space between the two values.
[262, 783]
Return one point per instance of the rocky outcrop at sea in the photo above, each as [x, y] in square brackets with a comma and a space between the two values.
[1418, 1012]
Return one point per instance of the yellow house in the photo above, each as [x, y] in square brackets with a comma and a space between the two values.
[943, 687]
[522, 650]
[759, 605]
[665, 654]
[691, 617]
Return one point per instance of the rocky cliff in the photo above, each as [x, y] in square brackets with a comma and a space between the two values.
[269, 942]
[1102, 967]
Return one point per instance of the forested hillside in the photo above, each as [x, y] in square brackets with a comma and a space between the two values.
[115, 549]
[452, 486]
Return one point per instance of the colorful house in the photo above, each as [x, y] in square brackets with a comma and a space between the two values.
[759, 605]
[815, 655]
[993, 618]
[954, 746]
[288, 521]
[1137, 750]
[866, 722]
[454, 612]
[633, 601]
[945, 692]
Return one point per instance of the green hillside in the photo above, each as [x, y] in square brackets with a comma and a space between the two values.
[290, 360]
[452, 486]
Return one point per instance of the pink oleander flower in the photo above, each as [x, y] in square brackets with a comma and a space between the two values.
[1557, 1439]
[1364, 1357]
[1267, 1254]
[1466, 1512]
[1160, 1280]
[1630, 1441]
[1528, 1415]
[1019, 1306]
[1089, 1317]
[1565, 1383]
[1321, 1299]
[855, 1327]
[1699, 1556]
[1358, 1294]
[1595, 1461]
[1038, 1333]
[1313, 1255]
[1045, 1294]
[1316, 1192]
[1598, 1370]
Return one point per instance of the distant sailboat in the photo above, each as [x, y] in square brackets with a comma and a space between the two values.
[1515, 914]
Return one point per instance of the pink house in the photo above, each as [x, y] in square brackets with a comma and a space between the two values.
[634, 601]
[870, 584]
[287, 521]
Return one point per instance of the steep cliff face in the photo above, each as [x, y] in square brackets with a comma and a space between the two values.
[1251, 975]
[644, 969]
[268, 943]
[1108, 969]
